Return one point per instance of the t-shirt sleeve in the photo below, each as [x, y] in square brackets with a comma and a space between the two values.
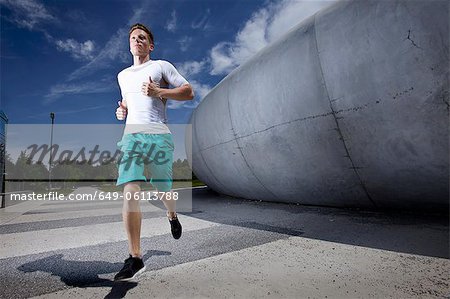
[119, 82]
[171, 75]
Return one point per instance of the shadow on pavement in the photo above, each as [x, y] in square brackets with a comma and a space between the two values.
[414, 233]
[83, 274]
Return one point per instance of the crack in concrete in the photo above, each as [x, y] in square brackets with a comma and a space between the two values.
[445, 98]
[398, 94]
[409, 38]
[334, 100]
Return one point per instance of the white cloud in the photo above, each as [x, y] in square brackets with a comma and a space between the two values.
[185, 42]
[222, 60]
[200, 91]
[202, 24]
[66, 112]
[189, 68]
[77, 16]
[28, 13]
[59, 90]
[116, 48]
[32, 15]
[174, 104]
[265, 26]
[227, 56]
[172, 23]
[82, 51]
[291, 13]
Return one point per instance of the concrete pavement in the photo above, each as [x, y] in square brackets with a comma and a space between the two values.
[230, 248]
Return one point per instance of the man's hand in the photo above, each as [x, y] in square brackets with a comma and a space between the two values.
[121, 111]
[151, 89]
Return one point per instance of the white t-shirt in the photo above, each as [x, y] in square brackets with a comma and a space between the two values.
[147, 114]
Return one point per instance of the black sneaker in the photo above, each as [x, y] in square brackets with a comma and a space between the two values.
[175, 227]
[131, 269]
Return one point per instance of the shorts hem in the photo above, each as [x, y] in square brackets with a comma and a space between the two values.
[124, 181]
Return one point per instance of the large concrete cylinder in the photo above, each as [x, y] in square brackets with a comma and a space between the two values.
[349, 109]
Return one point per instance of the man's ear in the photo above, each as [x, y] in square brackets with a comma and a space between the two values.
[151, 47]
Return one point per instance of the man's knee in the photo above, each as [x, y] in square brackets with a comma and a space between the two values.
[131, 197]
[132, 187]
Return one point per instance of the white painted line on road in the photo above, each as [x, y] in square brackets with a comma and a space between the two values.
[25, 243]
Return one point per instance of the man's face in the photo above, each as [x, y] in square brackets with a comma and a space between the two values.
[140, 45]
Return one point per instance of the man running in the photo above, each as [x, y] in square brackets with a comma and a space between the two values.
[147, 140]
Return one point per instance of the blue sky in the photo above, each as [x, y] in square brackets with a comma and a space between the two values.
[64, 55]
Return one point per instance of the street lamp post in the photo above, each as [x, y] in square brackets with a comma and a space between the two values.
[52, 116]
[4, 120]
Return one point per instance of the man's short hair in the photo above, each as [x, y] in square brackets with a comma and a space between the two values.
[142, 27]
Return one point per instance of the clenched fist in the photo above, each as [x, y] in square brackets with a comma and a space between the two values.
[151, 89]
[121, 111]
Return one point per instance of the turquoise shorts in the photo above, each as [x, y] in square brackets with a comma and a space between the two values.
[151, 152]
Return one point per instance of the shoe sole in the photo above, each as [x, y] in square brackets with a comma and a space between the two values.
[138, 273]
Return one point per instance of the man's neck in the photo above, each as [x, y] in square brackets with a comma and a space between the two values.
[138, 60]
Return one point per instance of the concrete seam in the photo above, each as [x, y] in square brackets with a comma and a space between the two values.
[289, 122]
[266, 129]
[338, 129]
[200, 151]
[242, 154]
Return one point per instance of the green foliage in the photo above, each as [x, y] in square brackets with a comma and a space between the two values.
[182, 170]
[26, 169]
[9, 165]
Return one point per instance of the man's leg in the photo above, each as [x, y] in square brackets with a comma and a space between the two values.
[132, 217]
[170, 204]
[162, 178]
[130, 173]
[175, 225]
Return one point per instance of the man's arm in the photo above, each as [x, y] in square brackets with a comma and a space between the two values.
[170, 75]
[182, 93]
